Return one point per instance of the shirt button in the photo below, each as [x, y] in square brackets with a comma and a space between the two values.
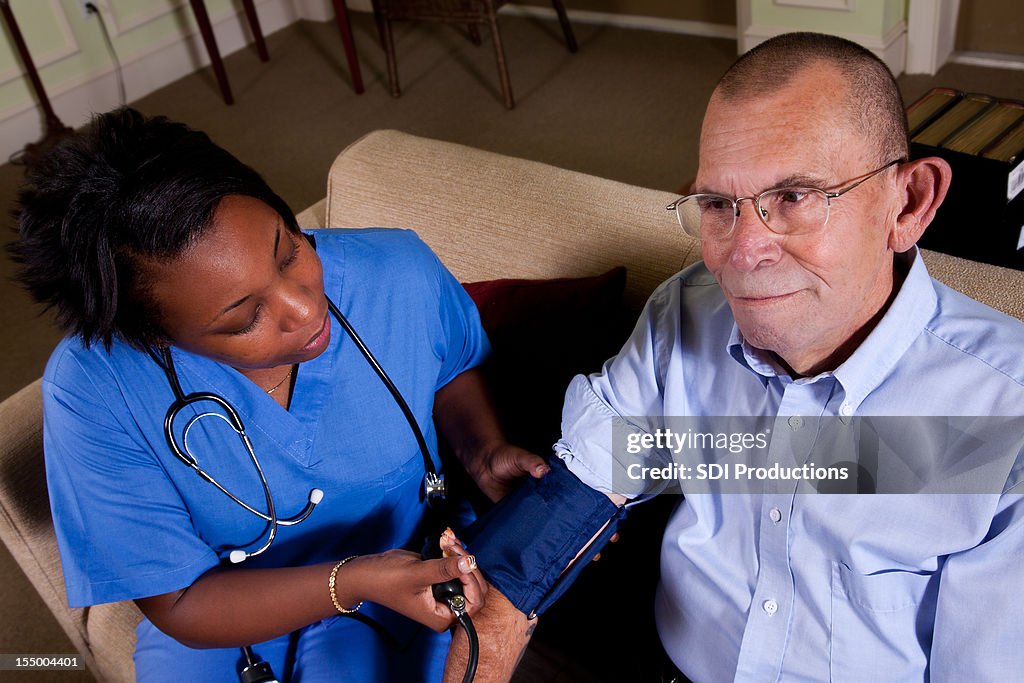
[846, 410]
[770, 607]
[775, 514]
[796, 422]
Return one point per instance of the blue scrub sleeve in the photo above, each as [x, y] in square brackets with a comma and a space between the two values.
[524, 543]
[122, 530]
[466, 343]
[428, 293]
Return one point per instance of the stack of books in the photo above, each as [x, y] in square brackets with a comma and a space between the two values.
[982, 138]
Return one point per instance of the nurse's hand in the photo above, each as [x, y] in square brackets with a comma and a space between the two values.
[465, 416]
[497, 470]
[400, 580]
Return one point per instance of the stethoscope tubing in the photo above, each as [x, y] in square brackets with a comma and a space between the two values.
[434, 483]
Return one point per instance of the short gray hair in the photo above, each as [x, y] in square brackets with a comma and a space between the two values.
[874, 104]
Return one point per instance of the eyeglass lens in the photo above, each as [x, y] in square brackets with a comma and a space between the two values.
[787, 211]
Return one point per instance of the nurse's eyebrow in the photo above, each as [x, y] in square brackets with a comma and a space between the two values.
[236, 304]
[231, 306]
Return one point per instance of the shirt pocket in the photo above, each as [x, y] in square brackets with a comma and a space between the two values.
[874, 629]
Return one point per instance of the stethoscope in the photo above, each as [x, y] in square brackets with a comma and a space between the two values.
[434, 488]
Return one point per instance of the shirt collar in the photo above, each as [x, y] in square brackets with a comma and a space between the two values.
[911, 309]
[761, 363]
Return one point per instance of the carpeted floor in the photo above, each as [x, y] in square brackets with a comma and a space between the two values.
[627, 107]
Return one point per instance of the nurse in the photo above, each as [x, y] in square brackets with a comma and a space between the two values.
[143, 235]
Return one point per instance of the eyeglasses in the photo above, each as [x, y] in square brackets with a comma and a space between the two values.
[784, 210]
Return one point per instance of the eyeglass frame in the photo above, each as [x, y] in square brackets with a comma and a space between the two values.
[756, 199]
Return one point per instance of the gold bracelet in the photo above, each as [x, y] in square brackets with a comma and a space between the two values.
[334, 595]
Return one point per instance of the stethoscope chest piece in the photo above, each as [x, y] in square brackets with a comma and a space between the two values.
[183, 453]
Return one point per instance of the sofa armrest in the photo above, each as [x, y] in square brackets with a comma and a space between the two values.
[104, 634]
[314, 216]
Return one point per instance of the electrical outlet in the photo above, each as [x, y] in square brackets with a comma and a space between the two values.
[83, 6]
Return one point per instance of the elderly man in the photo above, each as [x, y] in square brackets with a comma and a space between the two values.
[811, 303]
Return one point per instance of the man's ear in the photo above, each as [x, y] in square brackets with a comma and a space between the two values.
[923, 185]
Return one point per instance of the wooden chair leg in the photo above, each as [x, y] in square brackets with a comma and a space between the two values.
[254, 26]
[563, 19]
[378, 18]
[389, 50]
[341, 18]
[206, 30]
[499, 54]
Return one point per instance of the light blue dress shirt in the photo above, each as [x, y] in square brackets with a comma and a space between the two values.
[778, 584]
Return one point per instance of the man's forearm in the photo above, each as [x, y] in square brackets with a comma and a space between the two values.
[503, 632]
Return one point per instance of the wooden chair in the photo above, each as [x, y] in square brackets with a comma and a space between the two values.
[470, 13]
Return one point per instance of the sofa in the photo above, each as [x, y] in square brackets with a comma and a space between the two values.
[487, 216]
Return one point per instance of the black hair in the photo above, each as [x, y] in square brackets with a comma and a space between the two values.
[127, 187]
[873, 97]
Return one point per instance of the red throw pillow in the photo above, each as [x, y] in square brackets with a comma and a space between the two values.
[543, 333]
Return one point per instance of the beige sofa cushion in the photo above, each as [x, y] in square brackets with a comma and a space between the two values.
[1000, 288]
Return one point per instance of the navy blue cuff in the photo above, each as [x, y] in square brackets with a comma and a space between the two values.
[525, 542]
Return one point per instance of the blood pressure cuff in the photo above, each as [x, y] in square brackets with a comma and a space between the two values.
[525, 542]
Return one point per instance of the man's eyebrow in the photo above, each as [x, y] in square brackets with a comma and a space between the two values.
[796, 180]
[800, 180]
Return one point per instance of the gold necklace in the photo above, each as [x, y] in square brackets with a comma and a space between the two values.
[286, 378]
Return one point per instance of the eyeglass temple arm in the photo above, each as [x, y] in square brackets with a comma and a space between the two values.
[864, 178]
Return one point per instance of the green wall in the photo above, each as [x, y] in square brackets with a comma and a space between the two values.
[55, 27]
[867, 17]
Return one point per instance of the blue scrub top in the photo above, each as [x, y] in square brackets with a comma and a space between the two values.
[133, 521]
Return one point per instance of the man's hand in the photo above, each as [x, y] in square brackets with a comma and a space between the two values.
[504, 633]
[496, 471]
